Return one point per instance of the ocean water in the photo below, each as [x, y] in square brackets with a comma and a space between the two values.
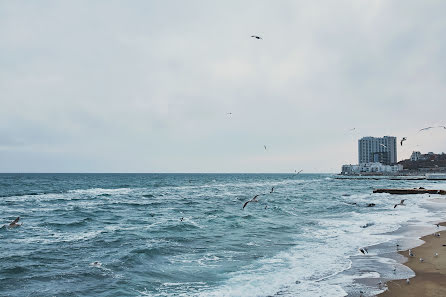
[187, 234]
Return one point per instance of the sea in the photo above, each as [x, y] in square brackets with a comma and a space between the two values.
[188, 234]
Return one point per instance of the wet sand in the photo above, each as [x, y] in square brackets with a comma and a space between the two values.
[430, 275]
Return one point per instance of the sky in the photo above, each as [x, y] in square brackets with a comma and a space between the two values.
[146, 86]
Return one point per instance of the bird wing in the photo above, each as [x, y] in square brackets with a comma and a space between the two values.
[255, 196]
[402, 201]
[401, 142]
[395, 205]
[16, 220]
[246, 203]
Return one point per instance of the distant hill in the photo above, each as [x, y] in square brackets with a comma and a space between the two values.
[428, 161]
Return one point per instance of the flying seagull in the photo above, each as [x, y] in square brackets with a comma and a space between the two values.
[256, 37]
[254, 199]
[383, 145]
[402, 140]
[229, 113]
[427, 128]
[14, 223]
[364, 250]
[401, 203]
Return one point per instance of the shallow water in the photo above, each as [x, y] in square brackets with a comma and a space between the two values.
[300, 240]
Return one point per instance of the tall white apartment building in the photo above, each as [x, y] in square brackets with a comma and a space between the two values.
[377, 149]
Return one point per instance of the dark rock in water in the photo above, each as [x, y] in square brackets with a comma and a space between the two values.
[371, 204]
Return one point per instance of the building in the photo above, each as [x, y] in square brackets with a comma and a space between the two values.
[415, 156]
[377, 150]
[370, 168]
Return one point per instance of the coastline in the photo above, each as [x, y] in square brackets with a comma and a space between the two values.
[430, 275]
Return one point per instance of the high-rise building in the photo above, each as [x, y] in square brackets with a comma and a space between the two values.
[375, 149]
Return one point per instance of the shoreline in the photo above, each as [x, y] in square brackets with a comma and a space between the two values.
[430, 275]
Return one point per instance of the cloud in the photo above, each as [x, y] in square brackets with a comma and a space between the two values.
[144, 86]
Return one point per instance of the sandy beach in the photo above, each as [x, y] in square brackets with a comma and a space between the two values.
[430, 279]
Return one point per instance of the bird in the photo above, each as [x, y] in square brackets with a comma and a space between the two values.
[254, 199]
[436, 255]
[264, 147]
[427, 128]
[438, 225]
[402, 140]
[401, 203]
[363, 250]
[229, 113]
[437, 234]
[383, 145]
[14, 223]
[444, 127]
[407, 281]
[272, 190]
[421, 260]
[256, 37]
[410, 253]
[96, 264]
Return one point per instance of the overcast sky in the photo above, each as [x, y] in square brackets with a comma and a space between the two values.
[145, 86]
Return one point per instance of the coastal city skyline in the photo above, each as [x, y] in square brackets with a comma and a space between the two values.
[175, 87]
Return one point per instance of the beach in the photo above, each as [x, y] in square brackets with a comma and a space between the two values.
[430, 275]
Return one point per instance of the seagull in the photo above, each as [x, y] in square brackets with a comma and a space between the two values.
[436, 255]
[410, 253]
[272, 189]
[437, 234]
[256, 37]
[254, 199]
[352, 129]
[427, 128]
[14, 223]
[438, 225]
[402, 140]
[229, 113]
[444, 127]
[401, 203]
[96, 264]
[382, 145]
[407, 281]
[264, 147]
[363, 250]
[421, 260]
